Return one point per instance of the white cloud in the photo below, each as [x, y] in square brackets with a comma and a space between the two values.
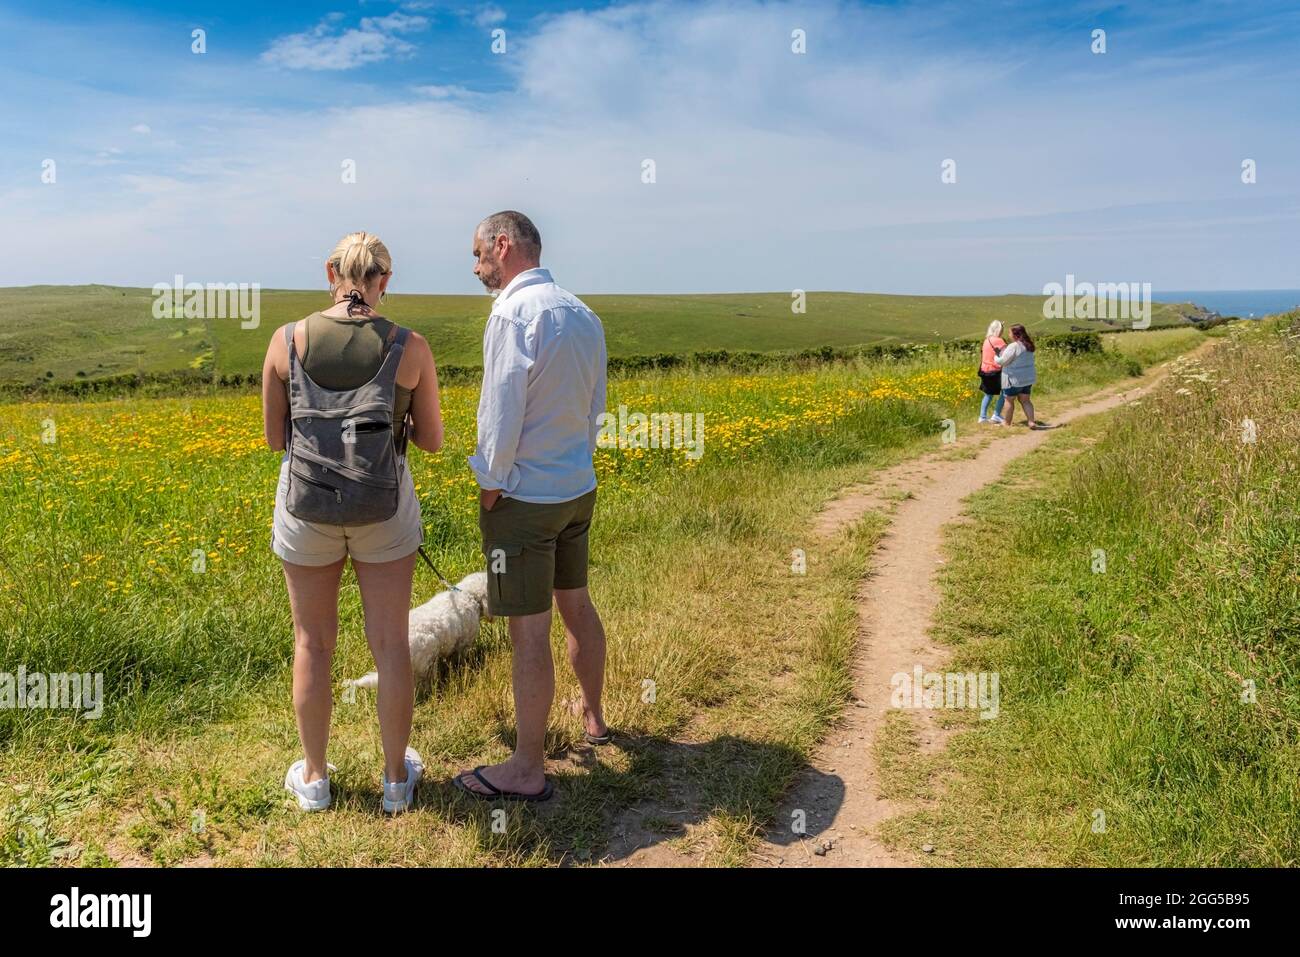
[327, 47]
[141, 128]
[775, 170]
[489, 16]
[437, 92]
[153, 185]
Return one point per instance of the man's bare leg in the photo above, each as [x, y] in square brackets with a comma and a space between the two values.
[533, 673]
[585, 636]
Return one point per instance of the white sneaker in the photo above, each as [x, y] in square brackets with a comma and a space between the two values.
[998, 420]
[399, 795]
[984, 419]
[311, 797]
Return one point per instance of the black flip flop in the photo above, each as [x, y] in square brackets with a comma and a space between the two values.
[496, 794]
[597, 740]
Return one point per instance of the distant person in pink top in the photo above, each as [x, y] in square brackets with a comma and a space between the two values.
[991, 373]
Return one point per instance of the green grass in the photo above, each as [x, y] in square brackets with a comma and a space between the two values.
[690, 569]
[66, 333]
[1124, 685]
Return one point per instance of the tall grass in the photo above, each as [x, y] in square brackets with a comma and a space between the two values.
[690, 569]
[1140, 600]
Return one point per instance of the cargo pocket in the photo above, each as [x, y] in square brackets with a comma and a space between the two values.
[507, 589]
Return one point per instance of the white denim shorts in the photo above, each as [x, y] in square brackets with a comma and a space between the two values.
[310, 543]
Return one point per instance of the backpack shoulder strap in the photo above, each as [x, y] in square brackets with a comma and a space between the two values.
[397, 337]
[290, 347]
[396, 340]
[395, 345]
[293, 362]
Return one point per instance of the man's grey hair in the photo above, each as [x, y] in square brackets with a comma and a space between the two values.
[517, 227]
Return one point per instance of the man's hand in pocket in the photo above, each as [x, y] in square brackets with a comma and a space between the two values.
[488, 497]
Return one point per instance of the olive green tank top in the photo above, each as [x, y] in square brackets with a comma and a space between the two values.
[346, 353]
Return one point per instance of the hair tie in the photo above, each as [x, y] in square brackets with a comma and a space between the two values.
[355, 301]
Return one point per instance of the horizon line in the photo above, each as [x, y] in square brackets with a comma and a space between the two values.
[749, 292]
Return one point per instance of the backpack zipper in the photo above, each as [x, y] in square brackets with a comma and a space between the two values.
[338, 495]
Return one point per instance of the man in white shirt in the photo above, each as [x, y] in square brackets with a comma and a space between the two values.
[543, 389]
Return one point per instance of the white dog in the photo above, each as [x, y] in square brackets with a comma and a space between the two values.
[445, 624]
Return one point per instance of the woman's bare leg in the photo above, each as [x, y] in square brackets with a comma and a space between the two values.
[386, 600]
[314, 600]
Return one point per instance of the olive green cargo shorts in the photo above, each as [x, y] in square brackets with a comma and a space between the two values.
[533, 548]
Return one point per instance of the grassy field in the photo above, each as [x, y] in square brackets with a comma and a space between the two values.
[66, 333]
[1146, 637]
[691, 567]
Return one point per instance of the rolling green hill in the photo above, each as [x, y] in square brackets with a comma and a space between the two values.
[61, 333]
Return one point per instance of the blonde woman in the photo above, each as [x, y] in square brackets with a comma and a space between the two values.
[991, 373]
[326, 361]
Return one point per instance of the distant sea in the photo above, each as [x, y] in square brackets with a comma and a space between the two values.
[1234, 302]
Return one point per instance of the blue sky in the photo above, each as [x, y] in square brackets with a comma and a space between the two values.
[774, 170]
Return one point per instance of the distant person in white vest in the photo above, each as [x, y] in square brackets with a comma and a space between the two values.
[1019, 374]
[543, 391]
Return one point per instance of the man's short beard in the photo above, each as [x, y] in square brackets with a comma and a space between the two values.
[492, 281]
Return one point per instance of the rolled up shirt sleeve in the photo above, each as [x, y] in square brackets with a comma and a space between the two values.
[507, 359]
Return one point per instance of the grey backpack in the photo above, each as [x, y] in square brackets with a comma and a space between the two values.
[343, 459]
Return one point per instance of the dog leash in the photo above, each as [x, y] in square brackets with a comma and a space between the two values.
[441, 577]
